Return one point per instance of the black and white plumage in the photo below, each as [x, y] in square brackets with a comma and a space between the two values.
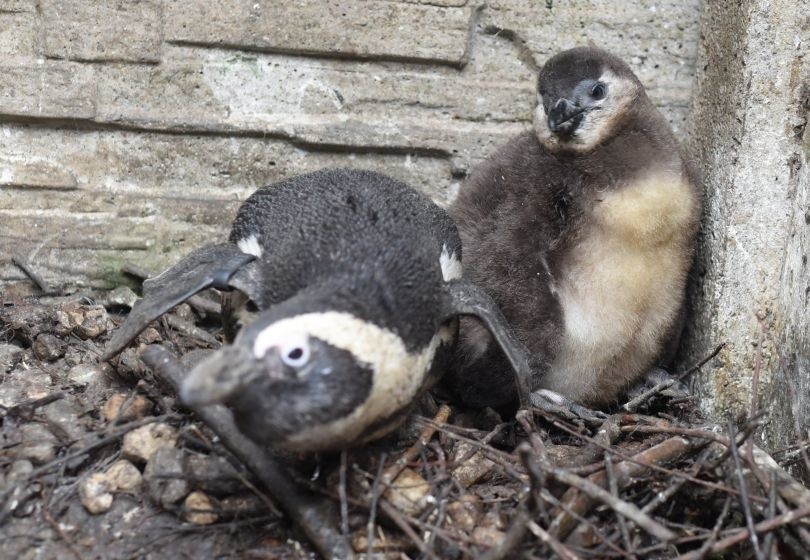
[356, 282]
[582, 230]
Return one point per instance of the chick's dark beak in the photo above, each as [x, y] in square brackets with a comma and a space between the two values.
[221, 375]
[564, 117]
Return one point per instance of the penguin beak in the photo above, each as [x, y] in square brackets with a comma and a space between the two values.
[564, 117]
[219, 376]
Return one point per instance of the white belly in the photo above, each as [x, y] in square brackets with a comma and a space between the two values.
[622, 288]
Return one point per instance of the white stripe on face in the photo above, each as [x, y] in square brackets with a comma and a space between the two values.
[397, 373]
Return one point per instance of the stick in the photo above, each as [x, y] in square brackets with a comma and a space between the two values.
[32, 274]
[596, 492]
[746, 505]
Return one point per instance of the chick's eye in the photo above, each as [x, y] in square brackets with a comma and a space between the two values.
[295, 355]
[598, 91]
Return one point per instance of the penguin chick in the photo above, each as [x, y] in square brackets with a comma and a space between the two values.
[583, 232]
[355, 278]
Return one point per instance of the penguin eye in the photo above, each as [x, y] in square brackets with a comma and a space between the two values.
[295, 354]
[598, 91]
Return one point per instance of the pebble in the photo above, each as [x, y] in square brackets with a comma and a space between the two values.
[198, 509]
[37, 444]
[49, 348]
[124, 476]
[243, 505]
[96, 490]
[122, 296]
[465, 513]
[26, 321]
[409, 493]
[62, 417]
[19, 470]
[86, 321]
[95, 493]
[164, 477]
[135, 407]
[141, 443]
[130, 364]
[10, 355]
[150, 335]
[487, 536]
[212, 474]
[10, 394]
[87, 374]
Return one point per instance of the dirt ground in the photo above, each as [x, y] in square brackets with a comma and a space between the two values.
[100, 461]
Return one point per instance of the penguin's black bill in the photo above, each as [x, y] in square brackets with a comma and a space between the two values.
[223, 374]
[565, 117]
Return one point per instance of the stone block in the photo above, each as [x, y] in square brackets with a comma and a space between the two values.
[370, 29]
[114, 30]
[35, 174]
[17, 6]
[18, 33]
[46, 89]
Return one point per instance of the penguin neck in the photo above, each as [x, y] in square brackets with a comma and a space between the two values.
[640, 143]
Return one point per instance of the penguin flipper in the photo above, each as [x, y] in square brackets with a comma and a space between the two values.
[211, 266]
[467, 298]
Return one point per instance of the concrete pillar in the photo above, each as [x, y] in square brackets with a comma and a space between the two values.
[750, 141]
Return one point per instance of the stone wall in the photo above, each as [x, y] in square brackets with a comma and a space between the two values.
[131, 129]
[750, 137]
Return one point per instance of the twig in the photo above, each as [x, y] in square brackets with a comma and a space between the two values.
[344, 504]
[24, 409]
[512, 538]
[596, 492]
[32, 274]
[559, 548]
[746, 505]
[614, 490]
[395, 516]
[767, 544]
[580, 502]
[761, 527]
[410, 455]
[633, 404]
[704, 550]
[656, 467]
[190, 330]
[62, 535]
[372, 514]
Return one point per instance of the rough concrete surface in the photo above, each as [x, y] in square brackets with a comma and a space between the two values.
[750, 138]
[130, 131]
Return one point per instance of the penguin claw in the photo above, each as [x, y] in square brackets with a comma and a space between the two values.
[555, 403]
[656, 382]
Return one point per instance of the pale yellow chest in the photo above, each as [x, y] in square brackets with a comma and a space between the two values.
[623, 286]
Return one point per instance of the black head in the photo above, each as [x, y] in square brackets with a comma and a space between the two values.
[308, 380]
[583, 96]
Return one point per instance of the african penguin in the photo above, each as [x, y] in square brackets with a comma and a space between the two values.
[356, 282]
[583, 232]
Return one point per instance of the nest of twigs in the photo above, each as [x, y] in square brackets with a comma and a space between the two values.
[654, 481]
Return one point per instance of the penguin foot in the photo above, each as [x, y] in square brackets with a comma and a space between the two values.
[656, 382]
[555, 403]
